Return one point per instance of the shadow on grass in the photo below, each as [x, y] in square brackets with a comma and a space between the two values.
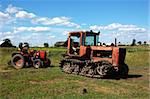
[134, 76]
[114, 77]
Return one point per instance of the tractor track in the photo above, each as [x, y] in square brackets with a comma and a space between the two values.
[101, 69]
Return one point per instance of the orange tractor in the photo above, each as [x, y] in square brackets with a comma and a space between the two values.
[85, 57]
[26, 58]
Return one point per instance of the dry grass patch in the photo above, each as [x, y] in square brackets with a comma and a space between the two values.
[95, 87]
[56, 80]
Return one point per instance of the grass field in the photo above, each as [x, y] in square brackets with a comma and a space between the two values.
[52, 83]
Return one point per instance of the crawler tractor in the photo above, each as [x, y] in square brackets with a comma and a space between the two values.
[26, 58]
[85, 57]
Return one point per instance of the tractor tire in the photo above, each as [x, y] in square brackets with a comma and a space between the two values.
[18, 61]
[37, 63]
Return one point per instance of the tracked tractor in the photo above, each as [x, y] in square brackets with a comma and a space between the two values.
[85, 57]
[27, 58]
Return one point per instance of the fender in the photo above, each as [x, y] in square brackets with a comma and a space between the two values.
[14, 54]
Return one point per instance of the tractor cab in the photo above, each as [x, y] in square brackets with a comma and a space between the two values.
[77, 42]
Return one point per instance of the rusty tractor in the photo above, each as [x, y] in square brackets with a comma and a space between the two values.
[85, 57]
[26, 58]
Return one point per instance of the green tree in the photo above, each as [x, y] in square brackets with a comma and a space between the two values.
[133, 42]
[139, 42]
[6, 43]
[145, 42]
[46, 45]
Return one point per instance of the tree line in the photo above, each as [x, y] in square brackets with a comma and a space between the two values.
[7, 43]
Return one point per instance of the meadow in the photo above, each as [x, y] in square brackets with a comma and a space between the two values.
[52, 83]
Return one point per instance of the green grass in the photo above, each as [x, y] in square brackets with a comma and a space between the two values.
[52, 83]
[138, 56]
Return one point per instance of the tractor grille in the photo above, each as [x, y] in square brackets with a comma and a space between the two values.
[102, 53]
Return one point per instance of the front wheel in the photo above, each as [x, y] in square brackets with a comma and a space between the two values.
[18, 61]
[37, 63]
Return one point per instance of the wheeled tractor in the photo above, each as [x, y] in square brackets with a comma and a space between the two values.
[26, 58]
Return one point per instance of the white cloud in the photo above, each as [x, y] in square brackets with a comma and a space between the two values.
[136, 29]
[35, 39]
[15, 13]
[123, 32]
[51, 36]
[70, 24]
[5, 19]
[119, 27]
[24, 14]
[35, 34]
[11, 9]
[4, 15]
[32, 29]
[55, 21]
[112, 26]
[65, 32]
[4, 34]
[8, 35]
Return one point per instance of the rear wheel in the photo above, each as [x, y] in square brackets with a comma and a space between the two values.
[18, 61]
[104, 69]
[37, 63]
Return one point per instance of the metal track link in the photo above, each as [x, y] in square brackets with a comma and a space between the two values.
[86, 68]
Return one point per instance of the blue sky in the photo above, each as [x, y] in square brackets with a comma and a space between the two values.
[39, 21]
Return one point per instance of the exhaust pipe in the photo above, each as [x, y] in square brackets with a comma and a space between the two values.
[115, 41]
